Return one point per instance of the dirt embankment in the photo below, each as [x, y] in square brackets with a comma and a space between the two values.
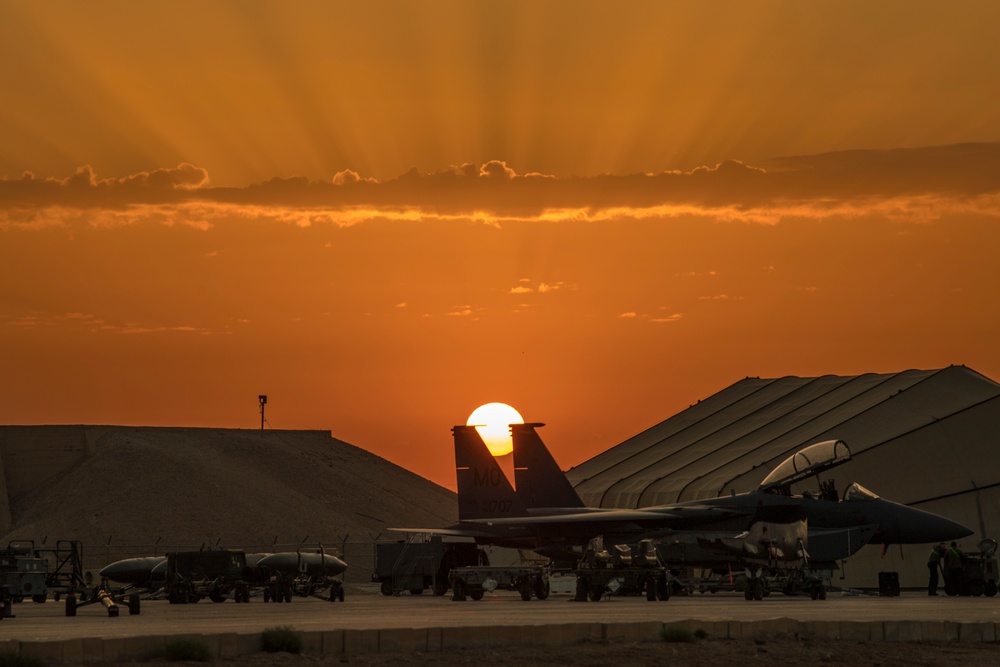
[148, 490]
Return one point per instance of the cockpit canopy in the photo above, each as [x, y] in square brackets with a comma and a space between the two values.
[807, 462]
[855, 492]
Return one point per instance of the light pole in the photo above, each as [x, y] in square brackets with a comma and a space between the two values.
[263, 401]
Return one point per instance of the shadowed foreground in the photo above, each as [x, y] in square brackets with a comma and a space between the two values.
[702, 653]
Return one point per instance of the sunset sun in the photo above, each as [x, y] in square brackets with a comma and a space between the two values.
[493, 421]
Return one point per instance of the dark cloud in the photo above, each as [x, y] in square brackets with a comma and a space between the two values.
[85, 189]
[961, 169]
[800, 185]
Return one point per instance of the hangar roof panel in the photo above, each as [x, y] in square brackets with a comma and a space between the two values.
[733, 439]
[945, 457]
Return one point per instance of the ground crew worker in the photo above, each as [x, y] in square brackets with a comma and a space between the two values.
[933, 565]
[953, 570]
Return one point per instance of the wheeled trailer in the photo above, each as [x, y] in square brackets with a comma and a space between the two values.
[415, 566]
[592, 583]
[475, 581]
[213, 573]
[979, 572]
[101, 595]
[22, 575]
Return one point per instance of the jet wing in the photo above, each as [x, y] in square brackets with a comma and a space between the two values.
[451, 531]
[595, 521]
[660, 516]
[638, 523]
[609, 517]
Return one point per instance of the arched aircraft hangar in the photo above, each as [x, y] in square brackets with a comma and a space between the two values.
[924, 438]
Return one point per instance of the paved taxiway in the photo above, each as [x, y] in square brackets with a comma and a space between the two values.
[47, 621]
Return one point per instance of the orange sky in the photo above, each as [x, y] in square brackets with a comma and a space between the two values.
[385, 214]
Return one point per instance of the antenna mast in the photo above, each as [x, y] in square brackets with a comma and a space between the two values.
[263, 401]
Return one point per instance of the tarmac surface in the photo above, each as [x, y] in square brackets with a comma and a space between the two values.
[365, 611]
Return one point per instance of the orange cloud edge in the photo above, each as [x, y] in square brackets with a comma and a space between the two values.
[915, 183]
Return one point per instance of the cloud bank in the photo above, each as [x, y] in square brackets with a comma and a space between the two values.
[916, 184]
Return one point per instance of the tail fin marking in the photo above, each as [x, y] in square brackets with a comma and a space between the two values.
[484, 492]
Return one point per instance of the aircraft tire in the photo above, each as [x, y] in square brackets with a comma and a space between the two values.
[524, 588]
[977, 588]
[416, 591]
[386, 587]
[758, 590]
[440, 587]
[133, 605]
[582, 584]
[596, 593]
[340, 594]
[477, 594]
[458, 591]
[650, 590]
[71, 605]
[991, 589]
[542, 589]
[662, 589]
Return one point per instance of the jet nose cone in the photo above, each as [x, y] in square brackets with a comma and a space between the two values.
[945, 529]
[929, 528]
[957, 530]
